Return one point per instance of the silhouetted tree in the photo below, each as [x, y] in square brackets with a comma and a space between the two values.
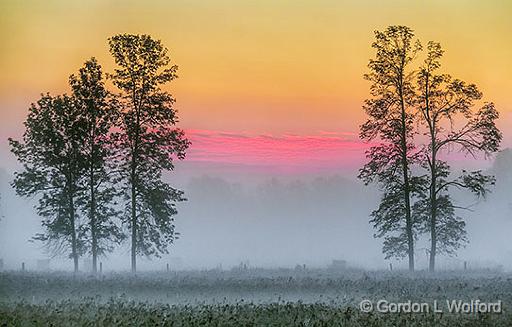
[447, 111]
[51, 155]
[390, 121]
[98, 110]
[149, 141]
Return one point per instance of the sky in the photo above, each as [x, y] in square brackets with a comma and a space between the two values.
[253, 75]
[266, 88]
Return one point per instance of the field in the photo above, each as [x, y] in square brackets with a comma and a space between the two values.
[252, 297]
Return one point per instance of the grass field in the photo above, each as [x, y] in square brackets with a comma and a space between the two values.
[245, 298]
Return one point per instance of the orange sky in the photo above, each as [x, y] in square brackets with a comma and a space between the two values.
[251, 66]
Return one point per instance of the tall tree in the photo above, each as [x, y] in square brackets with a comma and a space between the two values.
[98, 110]
[447, 111]
[391, 121]
[50, 153]
[149, 141]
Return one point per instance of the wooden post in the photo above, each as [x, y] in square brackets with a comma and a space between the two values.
[101, 267]
[465, 265]
[22, 266]
[167, 267]
[390, 266]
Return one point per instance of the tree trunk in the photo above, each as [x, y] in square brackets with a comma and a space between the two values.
[74, 243]
[433, 178]
[94, 240]
[133, 176]
[433, 204]
[408, 220]
[134, 220]
[92, 220]
[410, 237]
[407, 187]
[433, 240]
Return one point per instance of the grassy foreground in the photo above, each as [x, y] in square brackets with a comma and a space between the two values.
[253, 298]
[120, 313]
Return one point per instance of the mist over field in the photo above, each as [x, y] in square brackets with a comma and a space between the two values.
[270, 220]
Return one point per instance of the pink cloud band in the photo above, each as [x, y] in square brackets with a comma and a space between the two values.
[285, 152]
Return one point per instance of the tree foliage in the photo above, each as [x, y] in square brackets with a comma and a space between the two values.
[100, 112]
[390, 120]
[447, 111]
[406, 103]
[149, 141]
[82, 153]
[51, 155]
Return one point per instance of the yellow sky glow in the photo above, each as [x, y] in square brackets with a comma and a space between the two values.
[265, 66]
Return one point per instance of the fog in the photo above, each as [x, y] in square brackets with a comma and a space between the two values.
[233, 216]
